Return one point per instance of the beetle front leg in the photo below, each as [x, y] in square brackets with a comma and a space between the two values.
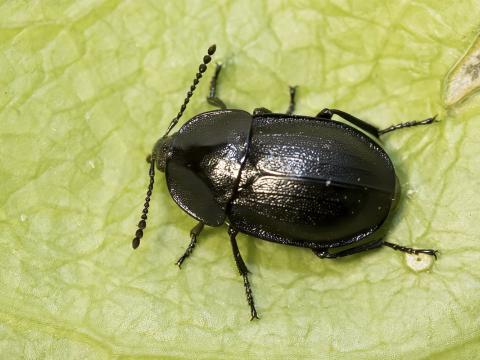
[242, 269]
[212, 98]
[197, 229]
[413, 251]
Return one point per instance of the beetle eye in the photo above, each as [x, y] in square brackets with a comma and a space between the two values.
[149, 158]
[161, 150]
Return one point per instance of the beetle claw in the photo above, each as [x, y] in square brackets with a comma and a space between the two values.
[430, 252]
[430, 120]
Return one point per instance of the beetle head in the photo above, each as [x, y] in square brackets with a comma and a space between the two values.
[161, 151]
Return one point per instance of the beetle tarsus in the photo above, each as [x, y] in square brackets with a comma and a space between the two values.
[413, 251]
[407, 124]
[212, 98]
[243, 270]
[197, 229]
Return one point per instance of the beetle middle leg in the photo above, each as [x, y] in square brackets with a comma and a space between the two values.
[212, 98]
[261, 111]
[291, 106]
[197, 229]
[243, 270]
[413, 251]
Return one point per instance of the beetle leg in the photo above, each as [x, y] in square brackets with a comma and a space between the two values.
[212, 98]
[325, 254]
[291, 106]
[328, 113]
[261, 111]
[408, 124]
[409, 250]
[242, 269]
[197, 229]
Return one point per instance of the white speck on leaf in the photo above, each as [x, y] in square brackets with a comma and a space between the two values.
[411, 192]
[419, 262]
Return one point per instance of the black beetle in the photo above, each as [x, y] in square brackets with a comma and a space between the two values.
[309, 182]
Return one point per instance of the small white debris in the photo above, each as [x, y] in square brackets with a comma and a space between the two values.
[91, 163]
[411, 192]
[328, 182]
[23, 217]
[419, 262]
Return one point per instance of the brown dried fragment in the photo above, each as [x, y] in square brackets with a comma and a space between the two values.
[464, 79]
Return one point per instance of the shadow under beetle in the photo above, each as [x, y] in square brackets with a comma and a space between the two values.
[309, 182]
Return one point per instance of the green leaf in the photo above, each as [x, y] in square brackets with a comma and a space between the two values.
[88, 87]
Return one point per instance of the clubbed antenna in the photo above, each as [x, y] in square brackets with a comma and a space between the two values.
[201, 69]
[143, 222]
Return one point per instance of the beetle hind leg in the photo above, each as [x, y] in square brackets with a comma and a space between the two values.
[413, 251]
[365, 126]
[212, 98]
[428, 121]
[325, 254]
[243, 270]
[193, 241]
